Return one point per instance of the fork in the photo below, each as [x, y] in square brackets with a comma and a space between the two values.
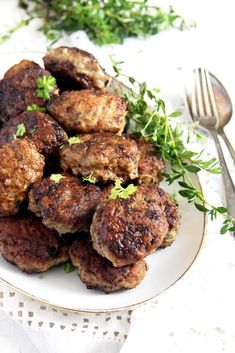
[202, 107]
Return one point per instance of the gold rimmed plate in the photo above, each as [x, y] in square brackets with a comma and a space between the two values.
[66, 291]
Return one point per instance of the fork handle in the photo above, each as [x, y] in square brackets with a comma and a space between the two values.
[228, 144]
[228, 183]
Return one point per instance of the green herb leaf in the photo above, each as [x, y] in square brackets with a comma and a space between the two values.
[45, 85]
[56, 177]
[201, 207]
[90, 179]
[120, 192]
[74, 140]
[105, 22]
[20, 130]
[33, 107]
[69, 267]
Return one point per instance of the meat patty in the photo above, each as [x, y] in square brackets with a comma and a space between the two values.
[75, 68]
[28, 244]
[171, 211]
[127, 230]
[106, 156]
[18, 89]
[20, 166]
[97, 272]
[66, 206]
[40, 128]
[89, 111]
[151, 166]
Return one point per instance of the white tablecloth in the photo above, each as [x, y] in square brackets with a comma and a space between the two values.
[197, 314]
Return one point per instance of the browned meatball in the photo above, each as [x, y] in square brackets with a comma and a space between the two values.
[97, 272]
[67, 205]
[171, 211]
[127, 230]
[20, 166]
[75, 68]
[18, 89]
[89, 111]
[28, 244]
[106, 156]
[151, 166]
[40, 128]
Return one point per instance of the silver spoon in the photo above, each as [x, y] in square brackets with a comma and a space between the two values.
[225, 111]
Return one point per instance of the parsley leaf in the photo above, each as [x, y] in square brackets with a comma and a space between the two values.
[90, 179]
[20, 130]
[56, 177]
[69, 267]
[120, 192]
[45, 85]
[33, 107]
[74, 140]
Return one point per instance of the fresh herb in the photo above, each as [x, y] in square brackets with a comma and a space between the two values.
[20, 130]
[166, 133]
[105, 22]
[69, 267]
[45, 85]
[56, 177]
[120, 192]
[90, 178]
[33, 107]
[8, 35]
[74, 140]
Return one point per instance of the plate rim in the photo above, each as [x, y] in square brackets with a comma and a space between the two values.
[110, 310]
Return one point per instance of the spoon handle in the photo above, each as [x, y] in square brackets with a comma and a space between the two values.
[228, 144]
[228, 183]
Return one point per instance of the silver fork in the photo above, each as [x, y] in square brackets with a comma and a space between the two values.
[202, 107]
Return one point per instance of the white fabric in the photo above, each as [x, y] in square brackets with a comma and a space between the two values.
[197, 314]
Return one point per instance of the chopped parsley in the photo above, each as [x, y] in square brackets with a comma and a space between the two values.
[45, 85]
[120, 192]
[20, 130]
[33, 107]
[90, 179]
[74, 140]
[56, 177]
[69, 267]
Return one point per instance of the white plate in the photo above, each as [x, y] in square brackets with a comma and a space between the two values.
[66, 291]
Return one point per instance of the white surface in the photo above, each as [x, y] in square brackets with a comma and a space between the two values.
[197, 314]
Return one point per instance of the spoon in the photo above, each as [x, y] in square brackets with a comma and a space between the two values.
[225, 111]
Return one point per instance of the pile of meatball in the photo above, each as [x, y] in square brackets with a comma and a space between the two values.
[57, 175]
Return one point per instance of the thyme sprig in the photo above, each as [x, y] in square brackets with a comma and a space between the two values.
[148, 118]
[105, 22]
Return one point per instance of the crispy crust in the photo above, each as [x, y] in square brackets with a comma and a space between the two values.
[20, 166]
[125, 231]
[66, 206]
[41, 129]
[97, 272]
[75, 68]
[107, 156]
[89, 111]
[28, 244]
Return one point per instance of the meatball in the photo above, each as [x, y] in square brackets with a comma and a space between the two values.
[171, 211]
[67, 205]
[106, 156]
[40, 128]
[20, 166]
[89, 111]
[151, 166]
[75, 68]
[98, 272]
[127, 230]
[28, 244]
[18, 89]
